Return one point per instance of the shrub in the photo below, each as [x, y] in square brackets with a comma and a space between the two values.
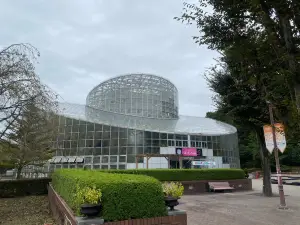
[246, 173]
[15, 188]
[124, 196]
[89, 195]
[186, 174]
[173, 189]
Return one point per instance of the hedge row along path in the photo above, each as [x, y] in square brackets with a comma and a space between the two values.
[185, 174]
[124, 196]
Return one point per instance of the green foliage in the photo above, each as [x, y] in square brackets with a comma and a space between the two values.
[89, 195]
[246, 172]
[173, 189]
[124, 196]
[258, 41]
[185, 174]
[16, 188]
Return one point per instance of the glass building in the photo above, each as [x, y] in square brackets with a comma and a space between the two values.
[137, 114]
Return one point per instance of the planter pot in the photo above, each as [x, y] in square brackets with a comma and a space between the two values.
[90, 210]
[171, 202]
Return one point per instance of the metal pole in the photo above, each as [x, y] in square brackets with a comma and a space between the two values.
[279, 178]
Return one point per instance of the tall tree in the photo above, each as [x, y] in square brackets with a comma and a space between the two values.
[19, 84]
[32, 136]
[257, 57]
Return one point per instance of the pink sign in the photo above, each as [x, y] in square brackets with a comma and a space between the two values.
[189, 151]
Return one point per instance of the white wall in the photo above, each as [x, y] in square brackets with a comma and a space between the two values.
[133, 166]
[167, 150]
[207, 152]
[156, 162]
[226, 166]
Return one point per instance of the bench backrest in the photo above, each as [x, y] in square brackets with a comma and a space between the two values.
[219, 184]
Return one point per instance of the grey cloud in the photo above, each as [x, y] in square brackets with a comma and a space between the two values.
[83, 43]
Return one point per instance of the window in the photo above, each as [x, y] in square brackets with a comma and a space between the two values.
[104, 167]
[105, 159]
[113, 159]
[113, 150]
[96, 160]
[89, 143]
[122, 158]
[122, 166]
[87, 160]
[97, 151]
[105, 151]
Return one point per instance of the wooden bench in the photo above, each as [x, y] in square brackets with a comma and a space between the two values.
[219, 186]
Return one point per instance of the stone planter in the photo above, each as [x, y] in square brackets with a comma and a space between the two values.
[90, 210]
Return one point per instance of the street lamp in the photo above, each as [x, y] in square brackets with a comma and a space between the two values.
[279, 177]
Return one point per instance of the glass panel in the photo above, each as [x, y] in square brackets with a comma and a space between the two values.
[96, 160]
[122, 166]
[114, 150]
[105, 151]
[96, 167]
[113, 167]
[105, 159]
[113, 159]
[122, 158]
[122, 151]
[97, 151]
[104, 167]
[170, 136]
[88, 151]
[87, 160]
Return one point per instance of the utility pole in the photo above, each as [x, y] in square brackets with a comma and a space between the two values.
[279, 177]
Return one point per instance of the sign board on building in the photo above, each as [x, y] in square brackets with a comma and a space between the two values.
[203, 163]
[189, 151]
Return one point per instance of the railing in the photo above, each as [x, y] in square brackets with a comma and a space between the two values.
[25, 175]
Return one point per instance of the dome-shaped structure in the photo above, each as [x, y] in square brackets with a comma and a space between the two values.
[142, 95]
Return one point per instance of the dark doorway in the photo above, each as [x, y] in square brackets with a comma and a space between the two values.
[174, 164]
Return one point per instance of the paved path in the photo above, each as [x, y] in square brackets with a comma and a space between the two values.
[243, 208]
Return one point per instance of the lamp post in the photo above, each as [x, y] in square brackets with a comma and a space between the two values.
[279, 178]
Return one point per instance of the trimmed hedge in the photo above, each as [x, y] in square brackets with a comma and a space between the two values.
[185, 174]
[16, 188]
[124, 196]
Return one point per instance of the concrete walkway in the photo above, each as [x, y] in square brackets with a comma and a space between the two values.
[243, 208]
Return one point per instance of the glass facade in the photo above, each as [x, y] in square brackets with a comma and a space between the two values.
[136, 94]
[135, 114]
[107, 147]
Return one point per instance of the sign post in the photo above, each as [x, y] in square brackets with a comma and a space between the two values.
[279, 143]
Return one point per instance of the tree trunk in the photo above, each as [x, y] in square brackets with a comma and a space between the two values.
[267, 186]
[265, 161]
[19, 170]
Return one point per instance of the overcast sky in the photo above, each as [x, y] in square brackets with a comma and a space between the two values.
[84, 42]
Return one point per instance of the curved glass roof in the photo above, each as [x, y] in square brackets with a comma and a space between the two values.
[182, 125]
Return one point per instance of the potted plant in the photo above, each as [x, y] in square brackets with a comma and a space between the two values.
[172, 191]
[89, 199]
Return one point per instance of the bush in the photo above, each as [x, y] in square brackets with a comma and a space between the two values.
[173, 189]
[246, 173]
[124, 196]
[185, 174]
[15, 188]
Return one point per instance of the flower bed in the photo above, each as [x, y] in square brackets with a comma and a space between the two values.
[124, 196]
